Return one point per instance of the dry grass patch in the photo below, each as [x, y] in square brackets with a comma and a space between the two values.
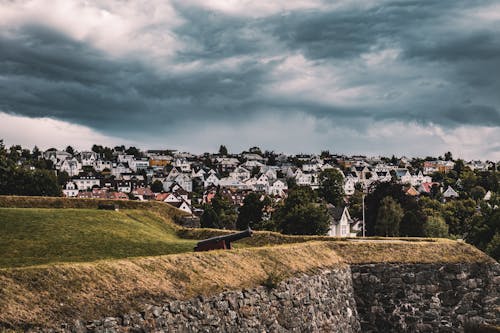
[47, 295]
[394, 251]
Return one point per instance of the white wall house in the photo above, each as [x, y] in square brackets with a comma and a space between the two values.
[72, 166]
[210, 180]
[182, 179]
[141, 164]
[70, 190]
[341, 223]
[241, 173]
[277, 187]
[349, 185]
[89, 158]
[86, 183]
[100, 165]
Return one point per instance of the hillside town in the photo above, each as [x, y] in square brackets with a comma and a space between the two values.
[125, 176]
[321, 194]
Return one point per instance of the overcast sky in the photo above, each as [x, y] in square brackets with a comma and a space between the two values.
[371, 77]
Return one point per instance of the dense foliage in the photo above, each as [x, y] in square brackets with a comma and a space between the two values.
[19, 176]
[252, 212]
[302, 214]
[469, 217]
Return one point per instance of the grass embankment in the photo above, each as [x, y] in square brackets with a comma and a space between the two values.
[45, 295]
[33, 236]
[54, 293]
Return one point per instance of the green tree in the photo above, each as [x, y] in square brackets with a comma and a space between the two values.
[35, 153]
[477, 192]
[373, 202]
[436, 227]
[209, 218]
[271, 157]
[157, 186]
[331, 186]
[458, 215]
[225, 214]
[222, 150]
[255, 150]
[448, 156]
[493, 248]
[301, 215]
[62, 178]
[412, 224]
[250, 214]
[388, 218]
[459, 166]
[134, 151]
[356, 205]
[70, 150]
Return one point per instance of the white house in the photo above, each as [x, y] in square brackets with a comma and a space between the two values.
[450, 193]
[72, 166]
[184, 206]
[277, 187]
[198, 173]
[270, 173]
[231, 182]
[184, 180]
[241, 173]
[70, 190]
[56, 155]
[124, 186]
[182, 164]
[342, 225]
[120, 168]
[382, 176]
[124, 158]
[171, 198]
[419, 179]
[210, 180]
[86, 183]
[88, 158]
[141, 164]
[404, 176]
[263, 180]
[100, 165]
[252, 164]
[349, 185]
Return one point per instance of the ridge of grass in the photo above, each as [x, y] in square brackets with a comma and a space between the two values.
[51, 294]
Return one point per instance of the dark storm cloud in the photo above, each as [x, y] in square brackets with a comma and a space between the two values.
[447, 72]
[51, 75]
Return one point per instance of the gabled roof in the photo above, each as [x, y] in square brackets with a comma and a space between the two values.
[450, 193]
[336, 212]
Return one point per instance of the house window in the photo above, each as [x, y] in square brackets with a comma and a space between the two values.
[343, 230]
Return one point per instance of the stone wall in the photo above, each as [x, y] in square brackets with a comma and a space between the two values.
[321, 302]
[425, 297]
[361, 298]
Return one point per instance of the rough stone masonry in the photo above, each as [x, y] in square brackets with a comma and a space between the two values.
[361, 298]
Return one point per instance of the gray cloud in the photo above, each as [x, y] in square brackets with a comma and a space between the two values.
[443, 73]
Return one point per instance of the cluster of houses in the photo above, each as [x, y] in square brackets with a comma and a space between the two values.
[125, 176]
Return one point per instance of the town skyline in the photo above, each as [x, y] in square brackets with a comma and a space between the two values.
[357, 77]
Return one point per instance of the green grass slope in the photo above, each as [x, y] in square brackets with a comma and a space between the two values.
[33, 236]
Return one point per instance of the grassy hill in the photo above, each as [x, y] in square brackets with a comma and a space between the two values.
[32, 236]
[87, 263]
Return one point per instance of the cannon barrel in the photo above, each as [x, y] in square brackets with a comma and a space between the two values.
[222, 242]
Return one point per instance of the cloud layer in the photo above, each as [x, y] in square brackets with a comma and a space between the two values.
[156, 72]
